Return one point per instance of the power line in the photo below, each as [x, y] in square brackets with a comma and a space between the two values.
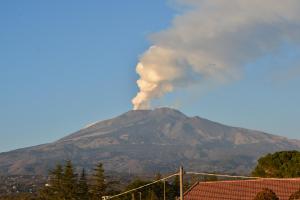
[138, 188]
[181, 172]
[223, 175]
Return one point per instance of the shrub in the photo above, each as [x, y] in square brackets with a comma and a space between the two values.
[266, 194]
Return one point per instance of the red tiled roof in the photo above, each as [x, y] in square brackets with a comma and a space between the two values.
[242, 189]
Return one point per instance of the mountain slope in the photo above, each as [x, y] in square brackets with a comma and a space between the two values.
[148, 141]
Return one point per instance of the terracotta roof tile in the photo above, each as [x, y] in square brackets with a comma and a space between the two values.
[242, 189]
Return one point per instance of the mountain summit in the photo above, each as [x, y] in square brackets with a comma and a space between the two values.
[148, 141]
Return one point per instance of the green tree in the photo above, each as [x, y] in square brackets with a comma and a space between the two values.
[295, 196]
[266, 194]
[175, 187]
[152, 196]
[135, 184]
[98, 183]
[158, 188]
[155, 191]
[210, 178]
[69, 182]
[53, 189]
[20, 196]
[158, 176]
[83, 189]
[284, 164]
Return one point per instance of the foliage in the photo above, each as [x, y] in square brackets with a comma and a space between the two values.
[285, 164]
[69, 181]
[266, 194]
[53, 189]
[210, 178]
[175, 187]
[295, 196]
[22, 196]
[135, 184]
[152, 195]
[83, 188]
[99, 185]
[62, 184]
[153, 192]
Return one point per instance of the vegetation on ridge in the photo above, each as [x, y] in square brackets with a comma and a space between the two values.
[64, 184]
[284, 164]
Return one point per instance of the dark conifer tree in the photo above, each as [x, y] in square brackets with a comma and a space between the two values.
[53, 189]
[69, 182]
[99, 185]
[176, 185]
[83, 190]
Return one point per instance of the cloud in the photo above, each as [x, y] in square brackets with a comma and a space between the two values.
[214, 39]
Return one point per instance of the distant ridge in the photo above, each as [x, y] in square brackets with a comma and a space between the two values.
[149, 141]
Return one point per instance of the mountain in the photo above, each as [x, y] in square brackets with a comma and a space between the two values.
[149, 141]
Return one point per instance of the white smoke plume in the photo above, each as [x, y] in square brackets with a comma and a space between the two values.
[214, 39]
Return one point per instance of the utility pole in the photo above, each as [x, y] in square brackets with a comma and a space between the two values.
[181, 172]
[164, 189]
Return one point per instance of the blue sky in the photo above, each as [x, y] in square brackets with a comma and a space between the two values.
[64, 64]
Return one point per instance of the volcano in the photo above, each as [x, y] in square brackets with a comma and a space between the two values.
[150, 141]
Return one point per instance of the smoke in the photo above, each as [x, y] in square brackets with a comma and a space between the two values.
[214, 39]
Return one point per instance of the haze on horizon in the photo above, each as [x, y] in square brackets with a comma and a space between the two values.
[64, 65]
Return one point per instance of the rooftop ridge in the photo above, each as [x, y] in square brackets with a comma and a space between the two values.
[248, 180]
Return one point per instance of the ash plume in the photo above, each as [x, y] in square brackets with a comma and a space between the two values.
[214, 39]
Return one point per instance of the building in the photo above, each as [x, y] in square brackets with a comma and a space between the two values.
[242, 189]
